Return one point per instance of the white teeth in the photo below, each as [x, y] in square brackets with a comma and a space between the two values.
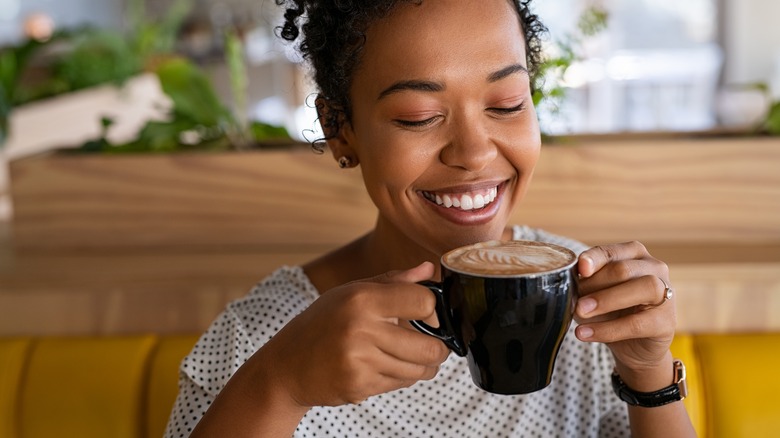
[479, 201]
[466, 201]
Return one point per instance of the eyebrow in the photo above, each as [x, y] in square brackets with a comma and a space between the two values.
[432, 87]
[414, 85]
[506, 71]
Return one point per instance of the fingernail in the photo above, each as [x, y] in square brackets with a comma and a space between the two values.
[587, 305]
[585, 332]
[585, 262]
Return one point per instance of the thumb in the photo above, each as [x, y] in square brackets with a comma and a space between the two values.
[423, 271]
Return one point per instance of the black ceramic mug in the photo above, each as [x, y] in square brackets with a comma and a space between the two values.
[506, 306]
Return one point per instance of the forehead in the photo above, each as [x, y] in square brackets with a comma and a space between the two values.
[443, 36]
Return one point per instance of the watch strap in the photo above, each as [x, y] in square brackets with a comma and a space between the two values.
[675, 392]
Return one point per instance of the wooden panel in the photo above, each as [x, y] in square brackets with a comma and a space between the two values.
[94, 294]
[133, 244]
[727, 297]
[677, 191]
[671, 191]
[274, 198]
[182, 293]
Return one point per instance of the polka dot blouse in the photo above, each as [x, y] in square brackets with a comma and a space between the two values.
[578, 403]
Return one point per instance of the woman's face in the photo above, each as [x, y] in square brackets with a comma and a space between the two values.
[443, 123]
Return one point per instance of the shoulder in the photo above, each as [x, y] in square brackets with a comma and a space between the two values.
[524, 232]
[245, 325]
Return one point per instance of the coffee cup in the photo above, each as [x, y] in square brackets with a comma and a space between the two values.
[506, 307]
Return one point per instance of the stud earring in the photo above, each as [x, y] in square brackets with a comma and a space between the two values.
[345, 162]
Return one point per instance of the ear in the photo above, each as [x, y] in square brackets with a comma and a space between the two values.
[340, 138]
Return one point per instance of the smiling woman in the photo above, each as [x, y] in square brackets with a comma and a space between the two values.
[432, 100]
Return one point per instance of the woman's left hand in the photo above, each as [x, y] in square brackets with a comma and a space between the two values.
[622, 303]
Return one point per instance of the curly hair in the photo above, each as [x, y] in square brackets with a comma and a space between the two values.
[332, 44]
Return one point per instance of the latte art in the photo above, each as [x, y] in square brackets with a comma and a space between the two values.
[508, 258]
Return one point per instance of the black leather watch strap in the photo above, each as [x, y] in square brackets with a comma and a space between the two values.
[672, 393]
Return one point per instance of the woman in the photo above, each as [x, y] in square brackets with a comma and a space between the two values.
[432, 99]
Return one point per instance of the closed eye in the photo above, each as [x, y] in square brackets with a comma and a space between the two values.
[415, 123]
[511, 110]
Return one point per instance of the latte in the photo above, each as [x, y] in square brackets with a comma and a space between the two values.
[497, 258]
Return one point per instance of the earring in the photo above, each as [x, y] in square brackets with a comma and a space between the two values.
[345, 162]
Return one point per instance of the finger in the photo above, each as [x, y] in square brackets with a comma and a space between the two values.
[648, 290]
[423, 271]
[389, 301]
[622, 271]
[614, 274]
[413, 347]
[405, 301]
[592, 260]
[652, 323]
[389, 366]
[409, 372]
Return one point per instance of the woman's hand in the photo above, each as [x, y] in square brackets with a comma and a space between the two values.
[354, 341]
[622, 304]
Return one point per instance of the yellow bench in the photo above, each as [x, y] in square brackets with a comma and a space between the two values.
[125, 386]
[89, 386]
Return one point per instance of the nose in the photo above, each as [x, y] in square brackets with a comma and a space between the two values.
[469, 147]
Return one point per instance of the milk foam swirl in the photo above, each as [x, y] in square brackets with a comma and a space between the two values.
[508, 258]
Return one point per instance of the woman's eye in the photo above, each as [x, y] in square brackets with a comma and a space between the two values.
[415, 123]
[511, 110]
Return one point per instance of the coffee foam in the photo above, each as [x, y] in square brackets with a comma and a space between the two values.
[508, 258]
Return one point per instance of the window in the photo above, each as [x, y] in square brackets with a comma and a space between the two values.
[655, 67]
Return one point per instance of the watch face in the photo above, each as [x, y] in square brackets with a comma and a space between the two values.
[680, 378]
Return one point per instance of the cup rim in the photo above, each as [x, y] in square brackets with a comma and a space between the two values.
[565, 267]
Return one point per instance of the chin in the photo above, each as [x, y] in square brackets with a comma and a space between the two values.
[470, 235]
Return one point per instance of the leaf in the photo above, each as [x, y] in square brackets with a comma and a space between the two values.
[263, 131]
[97, 57]
[191, 92]
[772, 123]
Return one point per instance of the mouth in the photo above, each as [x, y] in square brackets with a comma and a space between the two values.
[466, 201]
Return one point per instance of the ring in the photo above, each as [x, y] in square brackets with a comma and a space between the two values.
[668, 293]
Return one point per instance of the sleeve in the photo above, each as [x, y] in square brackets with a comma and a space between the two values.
[190, 406]
[204, 372]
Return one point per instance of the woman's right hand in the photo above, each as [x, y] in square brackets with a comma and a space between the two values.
[354, 342]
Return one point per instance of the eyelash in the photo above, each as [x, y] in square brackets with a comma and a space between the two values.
[512, 110]
[426, 122]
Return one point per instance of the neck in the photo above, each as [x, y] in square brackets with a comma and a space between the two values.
[386, 248]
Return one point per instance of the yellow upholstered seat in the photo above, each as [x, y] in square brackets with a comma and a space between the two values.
[683, 348]
[125, 386]
[13, 358]
[85, 387]
[742, 376]
[163, 380]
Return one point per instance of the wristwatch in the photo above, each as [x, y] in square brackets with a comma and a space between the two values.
[677, 391]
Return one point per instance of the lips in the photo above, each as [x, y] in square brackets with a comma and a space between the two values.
[465, 201]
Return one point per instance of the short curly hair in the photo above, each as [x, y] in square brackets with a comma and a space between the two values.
[332, 44]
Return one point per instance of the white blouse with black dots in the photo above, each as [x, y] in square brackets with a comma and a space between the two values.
[578, 403]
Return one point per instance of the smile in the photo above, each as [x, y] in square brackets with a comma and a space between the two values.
[465, 201]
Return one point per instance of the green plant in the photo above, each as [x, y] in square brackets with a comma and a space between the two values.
[197, 119]
[548, 80]
[83, 57]
[772, 122]
[79, 58]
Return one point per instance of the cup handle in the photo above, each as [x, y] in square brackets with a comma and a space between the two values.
[445, 330]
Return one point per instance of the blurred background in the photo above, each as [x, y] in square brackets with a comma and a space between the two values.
[616, 66]
[154, 165]
[658, 65]
[143, 78]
